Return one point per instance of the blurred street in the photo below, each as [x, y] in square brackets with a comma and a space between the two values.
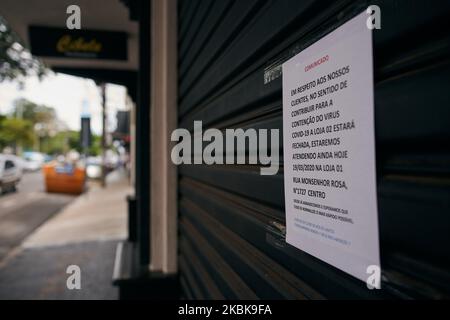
[83, 233]
[23, 211]
[67, 157]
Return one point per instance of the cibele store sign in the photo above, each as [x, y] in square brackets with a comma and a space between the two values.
[83, 44]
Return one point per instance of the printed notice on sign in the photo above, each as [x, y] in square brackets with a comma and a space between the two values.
[329, 150]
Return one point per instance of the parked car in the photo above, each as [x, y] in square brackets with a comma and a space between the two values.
[94, 167]
[10, 172]
[112, 160]
[33, 161]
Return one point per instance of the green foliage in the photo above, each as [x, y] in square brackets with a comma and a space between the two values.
[43, 122]
[33, 112]
[96, 147]
[64, 141]
[58, 144]
[14, 132]
[16, 61]
[32, 125]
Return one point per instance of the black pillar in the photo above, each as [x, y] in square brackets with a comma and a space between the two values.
[143, 138]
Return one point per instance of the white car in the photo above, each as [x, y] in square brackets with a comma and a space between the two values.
[94, 167]
[33, 160]
[10, 172]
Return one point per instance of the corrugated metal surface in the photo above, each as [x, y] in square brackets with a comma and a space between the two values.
[232, 220]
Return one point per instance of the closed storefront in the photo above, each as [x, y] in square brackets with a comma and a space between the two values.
[231, 219]
[278, 150]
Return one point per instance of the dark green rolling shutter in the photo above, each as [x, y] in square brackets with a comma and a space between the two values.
[231, 219]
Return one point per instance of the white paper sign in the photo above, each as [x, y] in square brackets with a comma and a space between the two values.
[329, 150]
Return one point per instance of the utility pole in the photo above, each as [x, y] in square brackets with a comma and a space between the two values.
[104, 133]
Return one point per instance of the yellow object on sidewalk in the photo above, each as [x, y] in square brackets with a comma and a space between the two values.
[64, 178]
